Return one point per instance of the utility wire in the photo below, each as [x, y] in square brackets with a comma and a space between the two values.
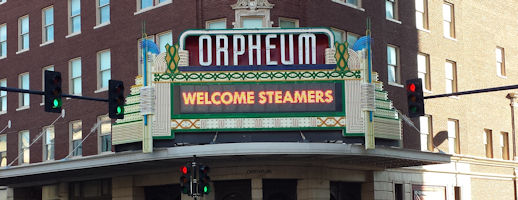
[92, 130]
[411, 124]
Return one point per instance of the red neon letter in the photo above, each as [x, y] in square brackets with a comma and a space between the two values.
[213, 98]
[226, 98]
[329, 96]
[189, 98]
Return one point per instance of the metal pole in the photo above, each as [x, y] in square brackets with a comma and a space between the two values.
[509, 87]
[8, 89]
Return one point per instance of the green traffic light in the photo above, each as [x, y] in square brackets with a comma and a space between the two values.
[205, 189]
[413, 109]
[119, 110]
[55, 103]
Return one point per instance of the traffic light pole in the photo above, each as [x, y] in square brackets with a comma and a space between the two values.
[18, 90]
[509, 87]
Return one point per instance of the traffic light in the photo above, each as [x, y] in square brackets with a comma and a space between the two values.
[52, 92]
[414, 93]
[204, 180]
[185, 179]
[116, 99]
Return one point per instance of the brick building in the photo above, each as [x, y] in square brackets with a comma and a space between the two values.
[90, 42]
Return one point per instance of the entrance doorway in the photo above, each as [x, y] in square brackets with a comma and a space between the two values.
[163, 192]
[233, 190]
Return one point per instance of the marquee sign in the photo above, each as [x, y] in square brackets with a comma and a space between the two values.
[295, 98]
[270, 49]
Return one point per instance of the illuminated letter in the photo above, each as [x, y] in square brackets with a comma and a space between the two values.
[278, 97]
[300, 97]
[287, 97]
[304, 46]
[213, 98]
[269, 46]
[319, 96]
[239, 97]
[270, 96]
[241, 51]
[311, 96]
[207, 99]
[209, 50]
[250, 99]
[189, 98]
[329, 96]
[221, 49]
[228, 100]
[283, 50]
[199, 98]
[262, 97]
[252, 47]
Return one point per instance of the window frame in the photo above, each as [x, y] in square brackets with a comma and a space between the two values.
[424, 13]
[43, 81]
[428, 134]
[23, 96]
[79, 150]
[207, 23]
[71, 78]
[397, 66]
[500, 62]
[3, 150]
[101, 134]
[358, 4]
[154, 4]
[451, 22]
[100, 71]
[98, 12]
[71, 17]
[453, 78]
[427, 86]
[295, 21]
[22, 35]
[157, 39]
[504, 145]
[455, 143]
[488, 142]
[264, 23]
[3, 96]
[4, 26]
[394, 10]
[44, 26]
[45, 144]
[22, 148]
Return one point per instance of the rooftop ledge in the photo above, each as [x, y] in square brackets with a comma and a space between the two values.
[108, 164]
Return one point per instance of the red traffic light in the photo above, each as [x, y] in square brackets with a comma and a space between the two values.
[411, 87]
[184, 170]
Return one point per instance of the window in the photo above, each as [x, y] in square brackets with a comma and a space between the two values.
[2, 1]
[94, 189]
[48, 143]
[393, 64]
[164, 38]
[288, 23]
[48, 68]
[457, 192]
[423, 70]
[104, 69]
[500, 61]
[391, 9]
[504, 145]
[74, 18]
[3, 41]
[425, 125]
[252, 22]
[353, 3]
[143, 4]
[23, 33]
[75, 76]
[24, 143]
[3, 150]
[216, 24]
[23, 83]
[105, 137]
[341, 36]
[76, 134]
[50, 192]
[47, 25]
[103, 11]
[3, 96]
[398, 191]
[421, 14]
[450, 68]
[453, 136]
[448, 20]
[488, 142]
